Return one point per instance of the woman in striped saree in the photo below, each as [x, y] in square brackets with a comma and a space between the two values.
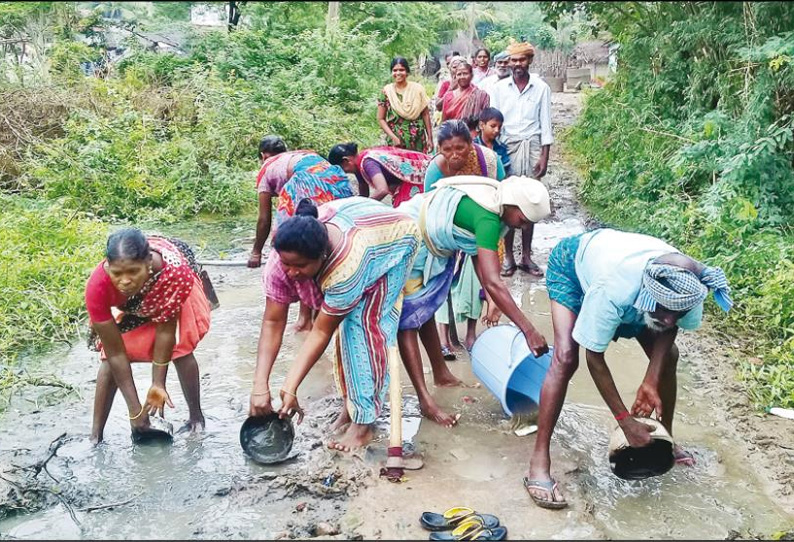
[357, 253]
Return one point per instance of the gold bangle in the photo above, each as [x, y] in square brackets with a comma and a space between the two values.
[161, 363]
[260, 394]
[139, 413]
[289, 393]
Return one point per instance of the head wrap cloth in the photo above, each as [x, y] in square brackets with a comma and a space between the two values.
[678, 289]
[523, 48]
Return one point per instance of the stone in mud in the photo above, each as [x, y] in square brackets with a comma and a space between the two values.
[460, 454]
[324, 529]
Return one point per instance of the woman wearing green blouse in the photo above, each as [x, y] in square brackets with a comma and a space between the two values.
[458, 155]
[467, 214]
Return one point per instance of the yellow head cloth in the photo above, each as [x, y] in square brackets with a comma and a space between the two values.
[520, 49]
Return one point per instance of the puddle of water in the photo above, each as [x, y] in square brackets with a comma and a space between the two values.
[174, 486]
[721, 493]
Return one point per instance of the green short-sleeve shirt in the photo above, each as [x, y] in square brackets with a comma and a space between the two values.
[484, 224]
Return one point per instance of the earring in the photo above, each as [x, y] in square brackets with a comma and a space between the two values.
[151, 271]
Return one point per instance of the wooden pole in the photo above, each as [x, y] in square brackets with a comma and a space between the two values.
[396, 400]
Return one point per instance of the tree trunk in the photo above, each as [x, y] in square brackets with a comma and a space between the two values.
[332, 20]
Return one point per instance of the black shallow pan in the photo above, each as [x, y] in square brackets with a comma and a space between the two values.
[159, 431]
[267, 439]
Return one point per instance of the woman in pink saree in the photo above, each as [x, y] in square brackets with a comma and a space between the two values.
[467, 100]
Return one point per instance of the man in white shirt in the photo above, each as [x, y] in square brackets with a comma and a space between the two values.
[606, 285]
[525, 102]
[502, 69]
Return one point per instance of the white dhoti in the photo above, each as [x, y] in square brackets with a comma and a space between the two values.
[524, 155]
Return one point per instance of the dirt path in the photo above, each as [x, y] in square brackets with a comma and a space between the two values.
[204, 487]
[480, 464]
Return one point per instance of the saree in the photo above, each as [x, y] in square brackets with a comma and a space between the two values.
[406, 165]
[312, 177]
[433, 269]
[411, 132]
[482, 162]
[175, 292]
[363, 281]
[465, 290]
[464, 104]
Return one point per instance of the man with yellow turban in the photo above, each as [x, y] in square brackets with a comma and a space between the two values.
[525, 101]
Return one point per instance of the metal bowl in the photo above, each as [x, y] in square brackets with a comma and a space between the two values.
[639, 463]
[159, 431]
[267, 439]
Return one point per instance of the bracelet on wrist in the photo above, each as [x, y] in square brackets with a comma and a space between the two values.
[260, 394]
[161, 363]
[622, 416]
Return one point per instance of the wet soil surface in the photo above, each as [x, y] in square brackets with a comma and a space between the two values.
[55, 484]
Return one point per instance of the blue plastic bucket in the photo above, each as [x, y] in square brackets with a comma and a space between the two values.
[501, 359]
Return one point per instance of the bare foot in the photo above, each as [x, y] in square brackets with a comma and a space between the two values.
[341, 421]
[302, 325]
[447, 380]
[433, 412]
[356, 436]
[683, 457]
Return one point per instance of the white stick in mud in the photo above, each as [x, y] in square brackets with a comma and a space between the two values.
[224, 263]
[396, 399]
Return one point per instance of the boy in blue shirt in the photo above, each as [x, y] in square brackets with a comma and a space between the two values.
[491, 120]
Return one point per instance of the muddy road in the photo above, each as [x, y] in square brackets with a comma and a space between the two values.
[203, 486]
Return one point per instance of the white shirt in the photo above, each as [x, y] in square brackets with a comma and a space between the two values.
[609, 265]
[487, 83]
[528, 113]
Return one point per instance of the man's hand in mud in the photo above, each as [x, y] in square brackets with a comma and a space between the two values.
[290, 407]
[141, 423]
[156, 400]
[260, 405]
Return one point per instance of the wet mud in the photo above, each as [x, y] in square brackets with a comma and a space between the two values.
[203, 486]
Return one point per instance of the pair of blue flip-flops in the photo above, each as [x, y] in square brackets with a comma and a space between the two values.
[463, 523]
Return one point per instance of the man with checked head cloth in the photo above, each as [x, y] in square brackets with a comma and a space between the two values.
[605, 285]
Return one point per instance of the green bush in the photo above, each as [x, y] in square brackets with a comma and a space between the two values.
[693, 142]
[46, 255]
[163, 139]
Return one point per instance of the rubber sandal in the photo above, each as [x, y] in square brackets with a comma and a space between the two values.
[548, 486]
[471, 530]
[454, 517]
[508, 271]
[533, 269]
[449, 355]
[406, 462]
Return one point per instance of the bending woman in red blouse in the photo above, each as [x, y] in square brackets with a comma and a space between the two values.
[154, 285]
